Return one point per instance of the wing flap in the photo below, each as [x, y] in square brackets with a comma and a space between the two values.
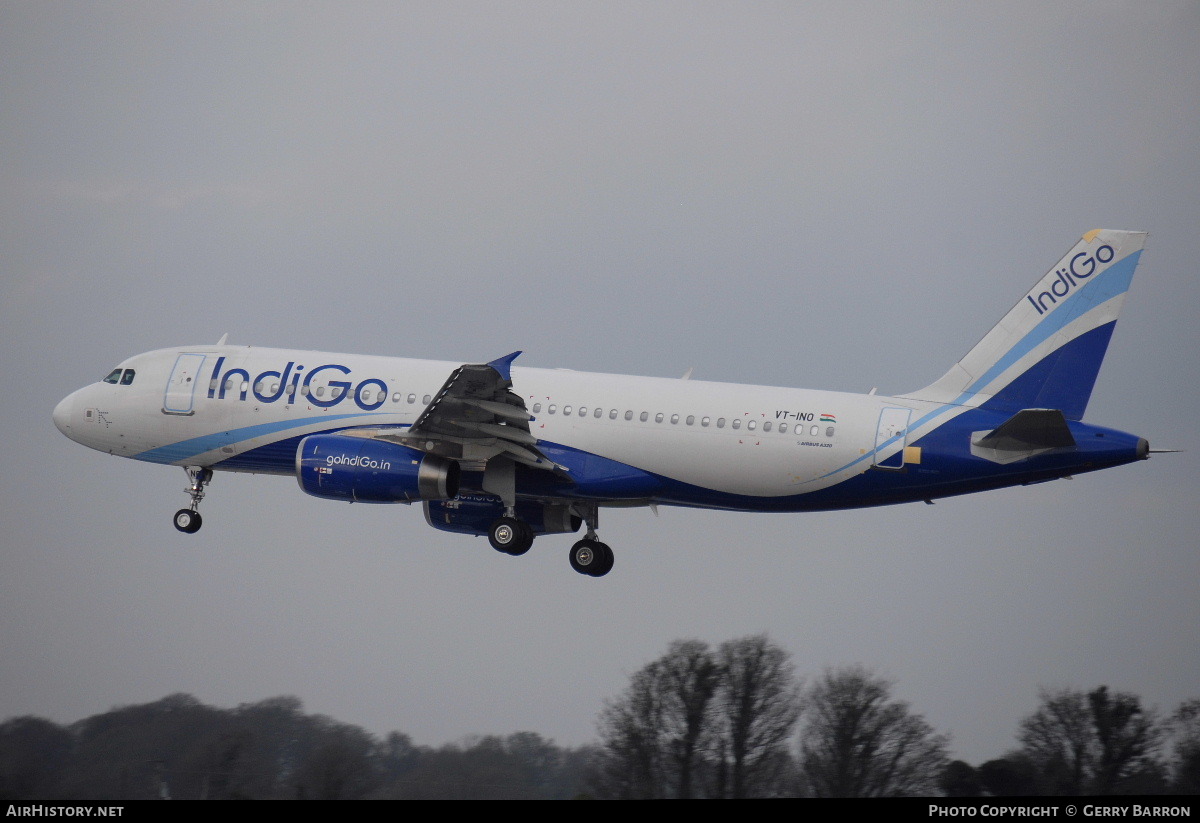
[475, 416]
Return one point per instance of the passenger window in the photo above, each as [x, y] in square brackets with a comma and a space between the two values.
[737, 424]
[720, 422]
[537, 407]
[691, 418]
[583, 411]
[551, 408]
[703, 421]
[658, 418]
[645, 416]
[813, 431]
[566, 409]
[674, 419]
[750, 424]
[767, 426]
[127, 377]
[320, 391]
[783, 428]
[425, 400]
[412, 398]
[829, 432]
[113, 376]
[396, 397]
[629, 415]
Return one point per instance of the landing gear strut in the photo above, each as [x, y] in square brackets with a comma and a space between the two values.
[508, 534]
[189, 520]
[589, 556]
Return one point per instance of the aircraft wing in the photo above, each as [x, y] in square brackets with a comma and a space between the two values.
[474, 416]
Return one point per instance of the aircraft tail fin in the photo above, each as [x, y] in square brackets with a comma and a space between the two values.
[1046, 352]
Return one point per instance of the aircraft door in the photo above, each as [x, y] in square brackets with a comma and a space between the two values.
[892, 431]
[181, 387]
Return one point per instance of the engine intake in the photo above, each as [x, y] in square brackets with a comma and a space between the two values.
[359, 469]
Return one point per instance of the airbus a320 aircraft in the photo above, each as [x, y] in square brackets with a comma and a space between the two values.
[518, 452]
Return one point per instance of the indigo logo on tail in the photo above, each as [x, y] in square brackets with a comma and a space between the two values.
[1081, 267]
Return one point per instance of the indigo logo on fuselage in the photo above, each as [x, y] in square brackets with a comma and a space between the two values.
[271, 386]
[1081, 267]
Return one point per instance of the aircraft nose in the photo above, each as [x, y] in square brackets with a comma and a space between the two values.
[62, 414]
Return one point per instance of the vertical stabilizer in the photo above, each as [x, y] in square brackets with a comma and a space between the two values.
[1047, 351]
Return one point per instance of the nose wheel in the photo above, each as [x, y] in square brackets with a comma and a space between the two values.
[189, 520]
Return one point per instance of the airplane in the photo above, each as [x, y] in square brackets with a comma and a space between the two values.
[515, 453]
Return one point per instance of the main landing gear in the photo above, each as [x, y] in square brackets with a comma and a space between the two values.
[511, 535]
[589, 556]
[189, 520]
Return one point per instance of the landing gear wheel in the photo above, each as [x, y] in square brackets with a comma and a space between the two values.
[510, 536]
[591, 557]
[188, 521]
[606, 562]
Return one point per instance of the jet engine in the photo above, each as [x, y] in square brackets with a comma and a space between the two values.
[359, 469]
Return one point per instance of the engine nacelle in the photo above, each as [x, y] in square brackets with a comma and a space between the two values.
[474, 513]
[360, 469]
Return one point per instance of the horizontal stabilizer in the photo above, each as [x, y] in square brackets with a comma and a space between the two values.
[1027, 433]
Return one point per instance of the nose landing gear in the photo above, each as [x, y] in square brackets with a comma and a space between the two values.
[189, 520]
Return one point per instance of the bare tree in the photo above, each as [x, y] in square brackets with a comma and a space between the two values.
[1185, 730]
[631, 736]
[693, 722]
[1095, 743]
[1057, 738]
[653, 734]
[688, 676]
[757, 706]
[858, 742]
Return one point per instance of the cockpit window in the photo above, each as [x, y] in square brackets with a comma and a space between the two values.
[122, 376]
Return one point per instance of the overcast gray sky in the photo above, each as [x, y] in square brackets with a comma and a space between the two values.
[826, 195]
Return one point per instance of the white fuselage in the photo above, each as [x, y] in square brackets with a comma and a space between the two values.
[227, 401]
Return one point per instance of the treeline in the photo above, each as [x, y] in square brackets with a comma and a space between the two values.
[730, 721]
[179, 748]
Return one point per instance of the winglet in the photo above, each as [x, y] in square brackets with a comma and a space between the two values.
[503, 365]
